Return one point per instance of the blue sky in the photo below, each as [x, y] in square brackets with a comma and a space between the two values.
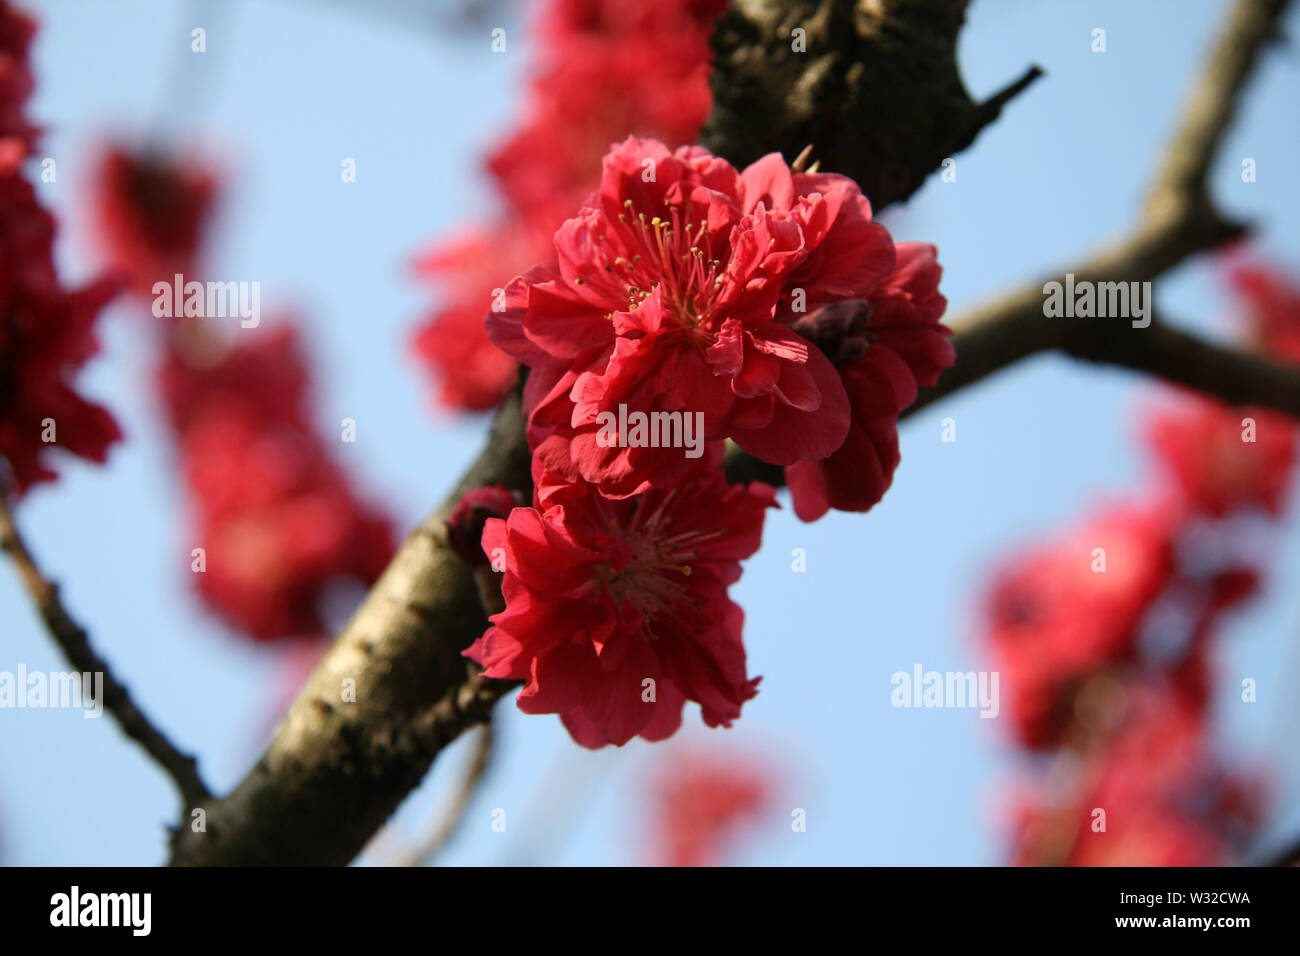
[290, 87]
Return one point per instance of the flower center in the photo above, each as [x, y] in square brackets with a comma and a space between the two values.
[671, 253]
[653, 575]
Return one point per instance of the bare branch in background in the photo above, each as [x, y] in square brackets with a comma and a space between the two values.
[1179, 220]
[449, 822]
[76, 648]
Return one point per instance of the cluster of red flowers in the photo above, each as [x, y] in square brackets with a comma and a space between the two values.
[1103, 638]
[608, 68]
[46, 331]
[761, 306]
[766, 306]
[273, 511]
[617, 610]
[767, 301]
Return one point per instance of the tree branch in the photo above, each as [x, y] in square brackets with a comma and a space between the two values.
[76, 648]
[391, 692]
[336, 769]
[873, 85]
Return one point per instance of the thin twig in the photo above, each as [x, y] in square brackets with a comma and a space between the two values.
[76, 647]
[449, 822]
[991, 108]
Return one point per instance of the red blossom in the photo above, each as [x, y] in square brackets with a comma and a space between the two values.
[46, 331]
[280, 525]
[275, 514]
[152, 213]
[617, 610]
[475, 373]
[471, 271]
[676, 291]
[17, 134]
[1167, 800]
[608, 68]
[466, 521]
[901, 345]
[46, 336]
[1203, 448]
[1224, 459]
[1053, 621]
[1272, 301]
[702, 802]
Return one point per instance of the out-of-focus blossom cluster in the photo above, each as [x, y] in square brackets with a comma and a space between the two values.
[273, 516]
[606, 69]
[704, 804]
[1104, 637]
[47, 331]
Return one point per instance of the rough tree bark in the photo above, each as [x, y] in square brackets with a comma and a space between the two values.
[873, 86]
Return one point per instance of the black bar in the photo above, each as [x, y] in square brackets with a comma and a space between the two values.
[371, 905]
